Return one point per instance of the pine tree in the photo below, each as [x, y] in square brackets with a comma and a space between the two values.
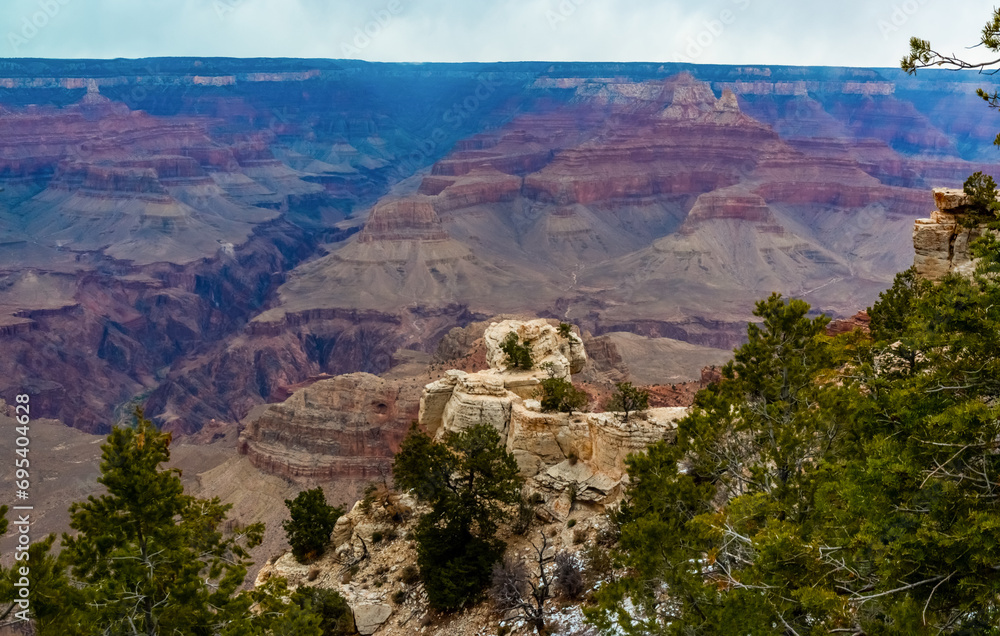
[627, 400]
[759, 441]
[470, 482]
[150, 559]
[310, 524]
[557, 394]
[830, 485]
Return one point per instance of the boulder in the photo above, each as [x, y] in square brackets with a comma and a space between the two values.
[369, 616]
[342, 531]
[952, 200]
[581, 480]
[613, 440]
[533, 434]
[547, 437]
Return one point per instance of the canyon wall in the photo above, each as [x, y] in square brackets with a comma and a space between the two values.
[193, 235]
[349, 426]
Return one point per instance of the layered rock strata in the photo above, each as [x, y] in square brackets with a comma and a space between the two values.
[941, 242]
[568, 458]
[347, 426]
[460, 400]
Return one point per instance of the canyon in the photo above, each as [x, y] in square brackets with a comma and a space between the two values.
[276, 258]
[286, 263]
[199, 236]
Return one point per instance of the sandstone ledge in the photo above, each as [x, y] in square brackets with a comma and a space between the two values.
[565, 457]
[941, 243]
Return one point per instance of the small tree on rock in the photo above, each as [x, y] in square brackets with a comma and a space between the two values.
[557, 394]
[628, 400]
[518, 353]
[312, 520]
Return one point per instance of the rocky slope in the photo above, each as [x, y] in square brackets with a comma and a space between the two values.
[573, 465]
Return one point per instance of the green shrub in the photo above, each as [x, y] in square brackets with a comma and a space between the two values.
[565, 329]
[399, 597]
[410, 575]
[310, 524]
[455, 565]
[518, 353]
[627, 400]
[336, 616]
[982, 192]
[557, 394]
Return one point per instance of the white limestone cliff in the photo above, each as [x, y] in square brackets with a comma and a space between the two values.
[578, 456]
[941, 243]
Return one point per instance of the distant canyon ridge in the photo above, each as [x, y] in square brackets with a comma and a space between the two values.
[197, 236]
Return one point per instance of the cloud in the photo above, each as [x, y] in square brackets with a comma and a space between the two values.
[845, 33]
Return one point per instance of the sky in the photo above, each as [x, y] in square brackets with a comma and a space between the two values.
[797, 32]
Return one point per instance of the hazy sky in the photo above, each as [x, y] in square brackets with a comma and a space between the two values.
[808, 32]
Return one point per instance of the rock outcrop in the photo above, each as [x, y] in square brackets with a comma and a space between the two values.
[347, 426]
[860, 320]
[557, 355]
[460, 399]
[573, 464]
[941, 243]
[567, 457]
